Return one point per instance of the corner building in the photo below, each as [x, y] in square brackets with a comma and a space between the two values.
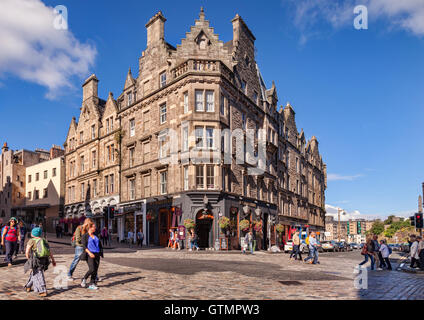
[197, 89]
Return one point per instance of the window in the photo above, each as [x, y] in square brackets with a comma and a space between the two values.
[209, 138]
[82, 163]
[54, 172]
[82, 191]
[210, 101]
[112, 182]
[163, 181]
[45, 174]
[243, 86]
[95, 188]
[198, 131]
[297, 165]
[106, 184]
[185, 178]
[162, 109]
[200, 178]
[131, 189]
[163, 79]
[29, 179]
[132, 127]
[93, 159]
[45, 193]
[146, 151]
[107, 126]
[146, 182]
[111, 124]
[185, 139]
[163, 152]
[222, 105]
[37, 176]
[146, 118]
[210, 176]
[255, 97]
[37, 194]
[81, 137]
[199, 100]
[30, 195]
[244, 122]
[185, 102]
[111, 153]
[19, 195]
[129, 99]
[93, 131]
[131, 157]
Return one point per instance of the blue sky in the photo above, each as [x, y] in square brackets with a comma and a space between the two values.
[360, 92]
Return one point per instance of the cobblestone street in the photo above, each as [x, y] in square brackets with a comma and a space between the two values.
[165, 274]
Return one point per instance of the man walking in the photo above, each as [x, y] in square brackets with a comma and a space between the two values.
[414, 252]
[377, 253]
[296, 247]
[313, 252]
[78, 248]
[385, 253]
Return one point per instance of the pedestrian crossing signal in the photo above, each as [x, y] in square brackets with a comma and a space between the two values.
[419, 220]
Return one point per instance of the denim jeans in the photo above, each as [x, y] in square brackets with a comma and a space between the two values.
[365, 260]
[10, 250]
[78, 253]
[372, 261]
[251, 247]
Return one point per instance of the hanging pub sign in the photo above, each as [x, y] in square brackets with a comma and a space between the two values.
[181, 232]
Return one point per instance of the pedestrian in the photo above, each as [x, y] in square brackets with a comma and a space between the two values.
[57, 231]
[313, 252]
[39, 255]
[10, 238]
[365, 252]
[248, 240]
[177, 244]
[193, 240]
[414, 252]
[421, 254]
[385, 253]
[140, 238]
[380, 264]
[93, 250]
[296, 246]
[171, 239]
[130, 238]
[21, 245]
[104, 235]
[77, 243]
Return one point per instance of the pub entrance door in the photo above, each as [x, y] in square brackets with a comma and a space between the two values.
[164, 226]
[204, 222]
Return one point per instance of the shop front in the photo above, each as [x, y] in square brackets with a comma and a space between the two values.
[131, 218]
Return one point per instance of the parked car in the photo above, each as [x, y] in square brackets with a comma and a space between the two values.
[337, 246]
[404, 247]
[288, 247]
[354, 245]
[328, 246]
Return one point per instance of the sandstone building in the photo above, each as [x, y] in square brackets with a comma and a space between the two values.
[194, 90]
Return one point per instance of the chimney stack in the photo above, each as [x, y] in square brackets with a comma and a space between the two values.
[155, 29]
[90, 88]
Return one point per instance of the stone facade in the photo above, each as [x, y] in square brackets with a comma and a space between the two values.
[195, 90]
[92, 158]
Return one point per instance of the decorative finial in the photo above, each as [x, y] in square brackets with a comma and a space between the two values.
[202, 14]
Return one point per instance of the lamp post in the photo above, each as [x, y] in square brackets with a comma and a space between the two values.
[339, 210]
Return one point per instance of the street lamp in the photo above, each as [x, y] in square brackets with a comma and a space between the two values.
[339, 210]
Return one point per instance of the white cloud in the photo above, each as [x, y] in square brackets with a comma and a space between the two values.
[404, 14]
[356, 214]
[338, 177]
[33, 50]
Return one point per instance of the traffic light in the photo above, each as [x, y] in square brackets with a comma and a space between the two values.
[112, 213]
[348, 229]
[105, 212]
[419, 220]
[358, 227]
[412, 221]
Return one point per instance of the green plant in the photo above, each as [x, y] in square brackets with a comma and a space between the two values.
[224, 222]
[244, 225]
[279, 228]
[257, 225]
[189, 224]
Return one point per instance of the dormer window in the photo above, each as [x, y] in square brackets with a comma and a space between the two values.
[243, 86]
[163, 79]
[130, 98]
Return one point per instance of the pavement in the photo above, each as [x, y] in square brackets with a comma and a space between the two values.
[163, 274]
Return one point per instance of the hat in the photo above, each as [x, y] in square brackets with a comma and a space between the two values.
[36, 232]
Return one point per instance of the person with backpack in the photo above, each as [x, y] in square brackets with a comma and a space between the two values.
[76, 242]
[21, 244]
[39, 255]
[385, 251]
[93, 250]
[9, 239]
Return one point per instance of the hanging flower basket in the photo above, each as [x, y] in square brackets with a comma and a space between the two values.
[244, 225]
[224, 223]
[257, 226]
[189, 224]
[279, 228]
[151, 216]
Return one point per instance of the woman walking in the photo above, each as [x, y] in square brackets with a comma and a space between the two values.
[9, 239]
[193, 241]
[38, 254]
[367, 252]
[93, 250]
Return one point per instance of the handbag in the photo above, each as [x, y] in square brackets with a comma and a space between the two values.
[364, 250]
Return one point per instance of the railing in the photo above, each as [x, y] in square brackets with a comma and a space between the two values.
[201, 65]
